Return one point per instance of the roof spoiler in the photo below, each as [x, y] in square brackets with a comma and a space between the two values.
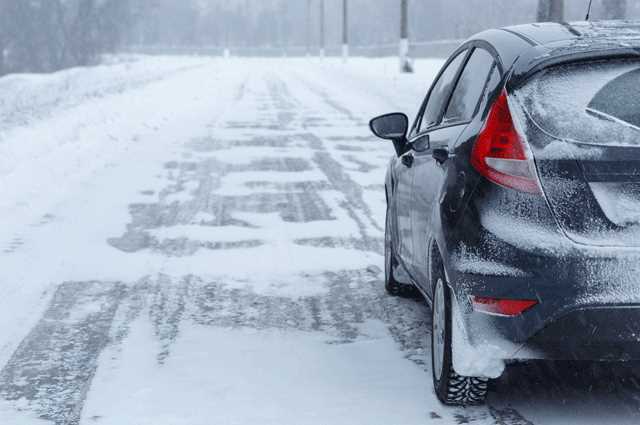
[523, 70]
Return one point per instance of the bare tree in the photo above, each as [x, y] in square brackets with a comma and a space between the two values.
[47, 35]
[550, 10]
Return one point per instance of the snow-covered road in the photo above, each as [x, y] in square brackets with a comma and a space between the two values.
[198, 241]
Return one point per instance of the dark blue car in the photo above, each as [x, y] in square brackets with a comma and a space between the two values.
[514, 201]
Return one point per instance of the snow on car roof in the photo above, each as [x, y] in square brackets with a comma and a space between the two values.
[546, 33]
[557, 43]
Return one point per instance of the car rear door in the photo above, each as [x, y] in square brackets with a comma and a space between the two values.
[460, 106]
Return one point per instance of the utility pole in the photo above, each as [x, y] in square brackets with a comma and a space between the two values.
[345, 30]
[282, 38]
[405, 62]
[308, 29]
[322, 52]
[227, 51]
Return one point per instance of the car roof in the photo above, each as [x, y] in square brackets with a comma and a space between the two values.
[526, 49]
[546, 33]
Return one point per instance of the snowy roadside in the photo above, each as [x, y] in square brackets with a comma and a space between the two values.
[29, 98]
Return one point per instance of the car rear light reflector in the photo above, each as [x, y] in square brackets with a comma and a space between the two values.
[501, 306]
[500, 154]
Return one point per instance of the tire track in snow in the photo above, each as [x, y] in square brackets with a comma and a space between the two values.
[53, 367]
[334, 170]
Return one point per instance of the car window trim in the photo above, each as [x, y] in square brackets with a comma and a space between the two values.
[494, 66]
[439, 127]
[486, 86]
[445, 106]
[469, 46]
[455, 80]
[454, 56]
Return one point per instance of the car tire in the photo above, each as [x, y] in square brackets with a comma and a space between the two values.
[391, 285]
[451, 388]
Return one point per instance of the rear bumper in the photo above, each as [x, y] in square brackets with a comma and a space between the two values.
[575, 318]
[608, 333]
[588, 296]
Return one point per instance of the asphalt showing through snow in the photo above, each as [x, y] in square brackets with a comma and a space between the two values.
[311, 132]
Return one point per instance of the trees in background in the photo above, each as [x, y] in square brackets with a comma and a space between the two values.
[554, 10]
[3, 36]
[48, 35]
[615, 9]
[282, 23]
[550, 11]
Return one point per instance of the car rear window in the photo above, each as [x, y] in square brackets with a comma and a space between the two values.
[595, 102]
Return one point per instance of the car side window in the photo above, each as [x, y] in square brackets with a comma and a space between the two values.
[471, 84]
[440, 93]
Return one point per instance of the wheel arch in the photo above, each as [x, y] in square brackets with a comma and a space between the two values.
[438, 261]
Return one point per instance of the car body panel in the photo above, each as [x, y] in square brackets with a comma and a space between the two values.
[427, 184]
[402, 184]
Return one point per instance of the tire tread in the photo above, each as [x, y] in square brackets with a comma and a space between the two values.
[465, 390]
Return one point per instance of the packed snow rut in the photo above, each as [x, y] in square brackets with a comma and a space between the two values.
[240, 281]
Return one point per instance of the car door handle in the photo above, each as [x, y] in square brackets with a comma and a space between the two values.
[441, 155]
[407, 160]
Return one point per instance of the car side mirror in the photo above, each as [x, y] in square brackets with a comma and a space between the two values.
[392, 127]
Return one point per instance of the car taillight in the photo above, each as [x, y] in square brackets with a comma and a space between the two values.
[501, 306]
[501, 155]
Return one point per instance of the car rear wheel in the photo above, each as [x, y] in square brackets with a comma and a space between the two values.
[451, 388]
[391, 285]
